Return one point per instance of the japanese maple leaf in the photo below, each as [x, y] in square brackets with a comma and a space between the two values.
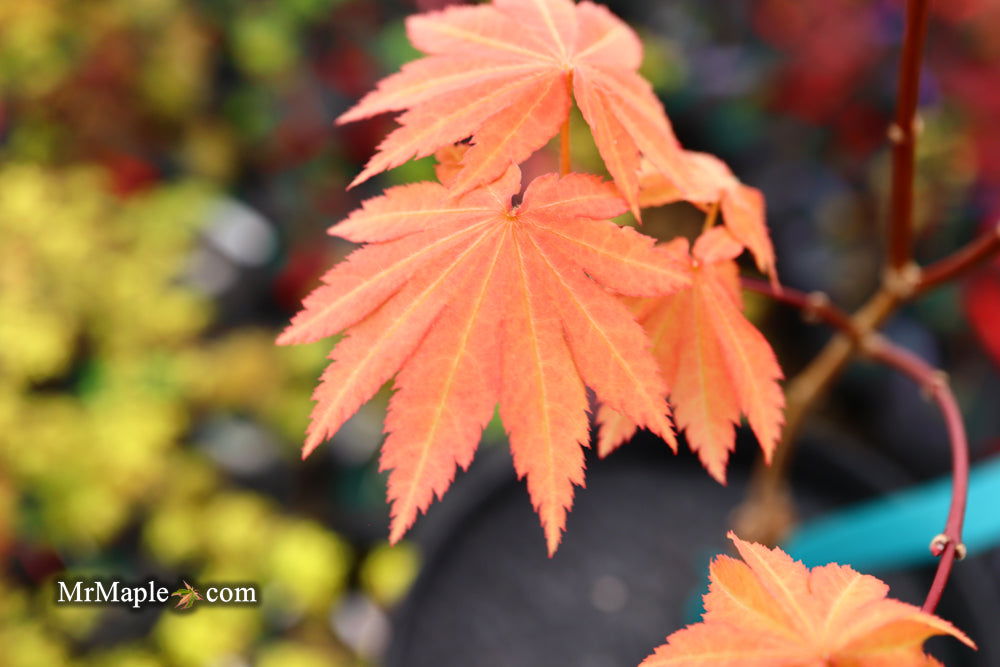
[504, 73]
[770, 611]
[188, 596]
[716, 363]
[474, 302]
[711, 183]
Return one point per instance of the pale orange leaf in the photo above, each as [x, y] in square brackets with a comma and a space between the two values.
[357, 286]
[407, 209]
[614, 429]
[643, 119]
[716, 363]
[543, 402]
[377, 347]
[490, 302]
[711, 182]
[445, 396]
[512, 135]
[618, 149]
[501, 73]
[768, 609]
[609, 347]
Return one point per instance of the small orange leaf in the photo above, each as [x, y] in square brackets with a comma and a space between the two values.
[716, 363]
[771, 611]
[711, 182]
[473, 301]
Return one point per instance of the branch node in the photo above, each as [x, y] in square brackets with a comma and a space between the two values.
[870, 342]
[937, 382]
[816, 302]
[902, 282]
[941, 542]
[898, 136]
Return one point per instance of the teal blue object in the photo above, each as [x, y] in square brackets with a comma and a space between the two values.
[895, 531]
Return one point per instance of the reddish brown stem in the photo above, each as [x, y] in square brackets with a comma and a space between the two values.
[814, 306]
[564, 161]
[565, 165]
[767, 497]
[903, 135]
[818, 306]
[936, 384]
[767, 512]
[961, 260]
[947, 559]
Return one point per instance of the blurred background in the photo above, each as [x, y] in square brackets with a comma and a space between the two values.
[167, 172]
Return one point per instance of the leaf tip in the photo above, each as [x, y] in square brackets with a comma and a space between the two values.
[718, 473]
[312, 442]
[397, 530]
[771, 271]
[358, 180]
[553, 537]
[665, 429]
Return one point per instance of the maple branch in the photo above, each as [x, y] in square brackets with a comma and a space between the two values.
[772, 493]
[815, 306]
[903, 133]
[948, 545]
[963, 259]
[767, 514]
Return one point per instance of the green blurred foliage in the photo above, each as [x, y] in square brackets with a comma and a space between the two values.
[101, 371]
[122, 122]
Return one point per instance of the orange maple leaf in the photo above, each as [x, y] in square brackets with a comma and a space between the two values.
[716, 363]
[475, 302]
[711, 183]
[770, 611]
[504, 74]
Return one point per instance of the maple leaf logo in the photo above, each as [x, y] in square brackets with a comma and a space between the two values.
[188, 596]
[473, 302]
[505, 74]
[771, 610]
